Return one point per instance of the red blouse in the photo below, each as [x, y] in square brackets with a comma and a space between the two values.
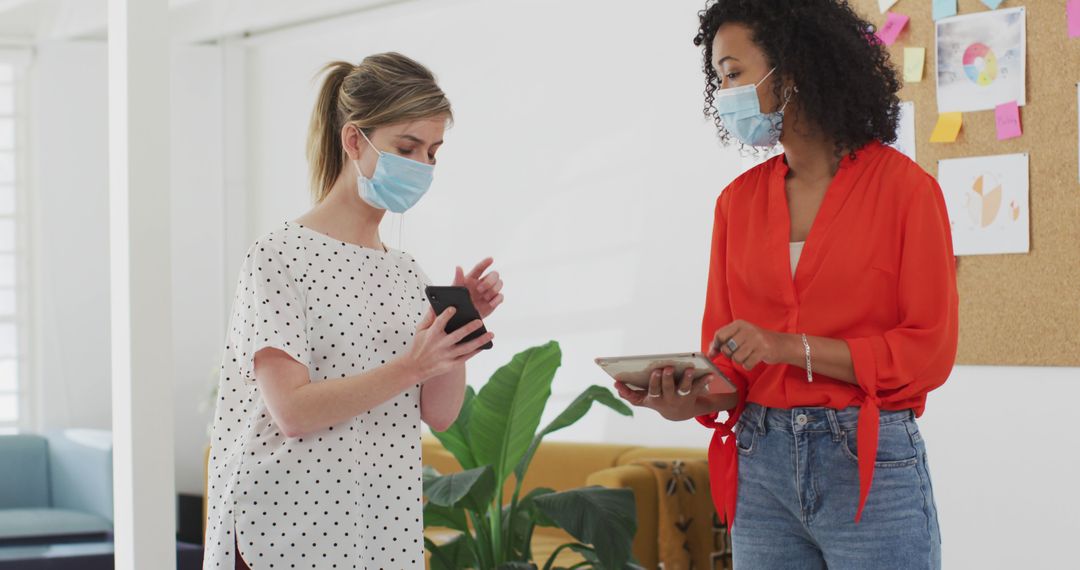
[877, 271]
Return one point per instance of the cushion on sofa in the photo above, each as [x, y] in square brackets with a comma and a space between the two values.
[26, 523]
[662, 453]
[24, 480]
[80, 471]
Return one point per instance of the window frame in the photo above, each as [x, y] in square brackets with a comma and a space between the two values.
[25, 391]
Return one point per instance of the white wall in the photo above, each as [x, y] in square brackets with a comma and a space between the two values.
[198, 264]
[69, 135]
[1004, 462]
[70, 208]
[580, 161]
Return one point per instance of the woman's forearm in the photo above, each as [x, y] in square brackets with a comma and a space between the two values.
[314, 406]
[828, 356]
[711, 403]
[708, 404]
[441, 399]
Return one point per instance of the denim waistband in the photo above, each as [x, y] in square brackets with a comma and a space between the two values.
[813, 418]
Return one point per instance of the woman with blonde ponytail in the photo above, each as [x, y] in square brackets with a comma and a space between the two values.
[333, 357]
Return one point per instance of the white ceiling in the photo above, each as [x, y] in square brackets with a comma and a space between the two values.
[19, 18]
[191, 21]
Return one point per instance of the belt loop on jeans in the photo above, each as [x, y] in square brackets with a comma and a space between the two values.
[763, 411]
[834, 424]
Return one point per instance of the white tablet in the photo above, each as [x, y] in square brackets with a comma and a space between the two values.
[634, 371]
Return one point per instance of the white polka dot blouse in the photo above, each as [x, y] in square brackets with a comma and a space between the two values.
[346, 497]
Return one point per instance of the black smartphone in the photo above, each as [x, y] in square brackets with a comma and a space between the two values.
[458, 297]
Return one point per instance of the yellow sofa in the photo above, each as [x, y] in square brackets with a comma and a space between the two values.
[562, 466]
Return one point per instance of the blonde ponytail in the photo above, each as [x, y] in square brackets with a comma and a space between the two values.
[383, 89]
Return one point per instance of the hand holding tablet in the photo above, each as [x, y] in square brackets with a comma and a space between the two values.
[635, 371]
[677, 386]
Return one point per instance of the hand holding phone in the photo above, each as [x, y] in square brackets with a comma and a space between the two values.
[442, 298]
[435, 353]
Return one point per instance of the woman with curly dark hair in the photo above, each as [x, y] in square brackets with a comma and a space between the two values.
[832, 300]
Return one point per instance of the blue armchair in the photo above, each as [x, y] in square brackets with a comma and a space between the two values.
[56, 487]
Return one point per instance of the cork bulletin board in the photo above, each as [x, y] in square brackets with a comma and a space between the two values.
[1017, 309]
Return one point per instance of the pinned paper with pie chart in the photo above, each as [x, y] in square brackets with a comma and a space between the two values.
[980, 60]
[987, 199]
[980, 64]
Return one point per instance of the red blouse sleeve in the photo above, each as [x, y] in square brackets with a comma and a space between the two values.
[918, 354]
[723, 461]
[717, 301]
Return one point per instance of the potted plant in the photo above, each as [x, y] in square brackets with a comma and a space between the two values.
[494, 437]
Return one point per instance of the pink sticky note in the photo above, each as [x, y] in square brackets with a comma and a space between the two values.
[1072, 13]
[1008, 121]
[894, 24]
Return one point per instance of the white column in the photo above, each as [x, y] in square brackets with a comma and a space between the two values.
[235, 195]
[140, 284]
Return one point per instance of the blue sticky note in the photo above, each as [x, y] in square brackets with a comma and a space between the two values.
[992, 4]
[944, 9]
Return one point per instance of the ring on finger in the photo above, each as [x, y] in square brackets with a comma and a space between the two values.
[651, 395]
[683, 392]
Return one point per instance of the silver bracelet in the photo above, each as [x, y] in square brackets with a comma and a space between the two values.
[809, 368]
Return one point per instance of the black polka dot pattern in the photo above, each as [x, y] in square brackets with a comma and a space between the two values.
[345, 497]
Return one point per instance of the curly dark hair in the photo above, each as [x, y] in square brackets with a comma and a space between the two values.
[846, 84]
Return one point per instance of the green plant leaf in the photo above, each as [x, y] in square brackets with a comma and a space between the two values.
[589, 555]
[538, 516]
[438, 515]
[586, 552]
[601, 517]
[528, 500]
[507, 410]
[453, 555]
[472, 489]
[516, 566]
[515, 525]
[484, 553]
[574, 412]
[456, 437]
[518, 524]
[519, 521]
[555, 554]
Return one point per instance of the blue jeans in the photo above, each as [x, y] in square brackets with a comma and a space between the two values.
[799, 489]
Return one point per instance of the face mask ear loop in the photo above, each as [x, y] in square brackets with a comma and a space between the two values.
[356, 163]
[787, 98]
[361, 131]
[758, 84]
[401, 232]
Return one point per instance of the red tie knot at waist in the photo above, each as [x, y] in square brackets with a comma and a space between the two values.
[725, 427]
[723, 463]
[867, 444]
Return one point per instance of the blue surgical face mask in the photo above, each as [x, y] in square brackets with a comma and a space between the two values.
[740, 111]
[398, 183]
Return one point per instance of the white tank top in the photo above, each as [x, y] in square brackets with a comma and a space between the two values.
[796, 251]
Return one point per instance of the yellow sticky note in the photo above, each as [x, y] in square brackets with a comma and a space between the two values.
[948, 127]
[913, 64]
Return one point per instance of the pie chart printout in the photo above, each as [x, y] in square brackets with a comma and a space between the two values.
[987, 200]
[980, 64]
